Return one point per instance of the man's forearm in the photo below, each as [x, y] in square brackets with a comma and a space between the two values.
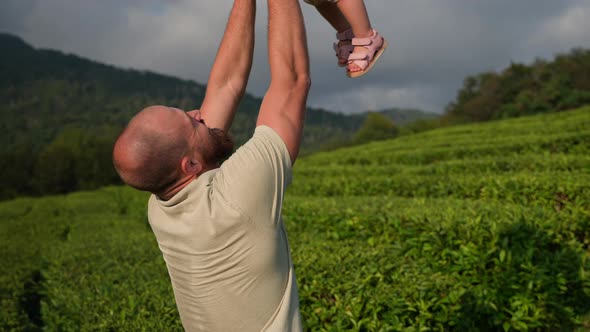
[231, 68]
[234, 57]
[287, 45]
[283, 106]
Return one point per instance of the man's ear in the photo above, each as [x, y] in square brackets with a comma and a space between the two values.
[190, 166]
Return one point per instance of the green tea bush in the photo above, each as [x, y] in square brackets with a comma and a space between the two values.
[482, 227]
[438, 264]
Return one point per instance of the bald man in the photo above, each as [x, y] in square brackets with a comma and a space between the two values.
[218, 223]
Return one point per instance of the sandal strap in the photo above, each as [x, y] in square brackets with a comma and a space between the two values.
[358, 56]
[345, 35]
[359, 59]
[362, 41]
[346, 48]
[367, 40]
[372, 44]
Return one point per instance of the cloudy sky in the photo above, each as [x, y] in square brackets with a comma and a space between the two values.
[433, 44]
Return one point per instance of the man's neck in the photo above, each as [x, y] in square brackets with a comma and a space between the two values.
[177, 186]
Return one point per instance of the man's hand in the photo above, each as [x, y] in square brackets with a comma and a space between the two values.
[231, 69]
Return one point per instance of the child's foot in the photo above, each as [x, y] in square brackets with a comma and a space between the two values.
[365, 54]
[343, 47]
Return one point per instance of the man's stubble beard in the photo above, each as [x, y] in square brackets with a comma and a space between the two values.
[222, 147]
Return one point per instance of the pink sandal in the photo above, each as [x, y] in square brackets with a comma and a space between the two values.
[375, 46]
[343, 47]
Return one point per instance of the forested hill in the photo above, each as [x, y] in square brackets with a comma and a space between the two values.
[44, 91]
[59, 114]
[540, 87]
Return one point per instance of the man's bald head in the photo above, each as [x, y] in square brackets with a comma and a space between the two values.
[148, 154]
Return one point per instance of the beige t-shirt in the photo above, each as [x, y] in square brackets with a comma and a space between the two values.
[225, 245]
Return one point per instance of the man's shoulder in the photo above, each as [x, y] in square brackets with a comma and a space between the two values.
[255, 177]
[268, 139]
[193, 192]
[271, 134]
[264, 147]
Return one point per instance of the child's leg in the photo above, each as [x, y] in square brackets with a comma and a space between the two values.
[333, 15]
[356, 14]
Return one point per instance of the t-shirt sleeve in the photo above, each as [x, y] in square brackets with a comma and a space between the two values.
[255, 177]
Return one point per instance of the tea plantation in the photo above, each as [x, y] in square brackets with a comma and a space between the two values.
[482, 227]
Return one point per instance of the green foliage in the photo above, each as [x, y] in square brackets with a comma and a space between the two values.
[76, 160]
[437, 264]
[47, 97]
[481, 227]
[16, 167]
[420, 126]
[523, 90]
[83, 262]
[403, 117]
[376, 127]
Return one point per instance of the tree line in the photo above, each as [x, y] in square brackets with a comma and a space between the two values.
[60, 114]
[541, 87]
[75, 160]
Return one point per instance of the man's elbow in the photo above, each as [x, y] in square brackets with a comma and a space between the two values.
[299, 82]
[304, 82]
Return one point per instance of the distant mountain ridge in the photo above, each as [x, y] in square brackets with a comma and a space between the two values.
[44, 90]
[60, 115]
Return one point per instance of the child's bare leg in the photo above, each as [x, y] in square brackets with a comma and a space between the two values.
[356, 15]
[333, 15]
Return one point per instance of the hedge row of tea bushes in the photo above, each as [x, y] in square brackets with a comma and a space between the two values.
[474, 228]
[382, 264]
[82, 262]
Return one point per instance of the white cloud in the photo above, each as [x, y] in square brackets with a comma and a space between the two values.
[377, 97]
[182, 40]
[178, 37]
[569, 29]
[434, 44]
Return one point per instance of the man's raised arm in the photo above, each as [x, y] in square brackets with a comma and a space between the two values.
[231, 69]
[283, 106]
